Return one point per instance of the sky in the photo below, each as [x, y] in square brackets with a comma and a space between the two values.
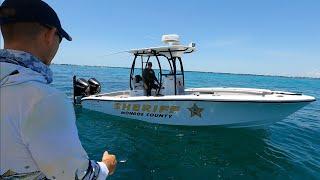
[269, 37]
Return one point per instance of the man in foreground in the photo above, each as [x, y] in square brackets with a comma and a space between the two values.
[39, 137]
[149, 78]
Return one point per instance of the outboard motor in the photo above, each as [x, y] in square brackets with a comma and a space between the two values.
[94, 86]
[80, 89]
[83, 88]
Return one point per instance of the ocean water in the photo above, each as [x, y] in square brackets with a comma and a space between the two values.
[289, 149]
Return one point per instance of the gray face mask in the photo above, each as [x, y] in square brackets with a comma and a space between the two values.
[26, 60]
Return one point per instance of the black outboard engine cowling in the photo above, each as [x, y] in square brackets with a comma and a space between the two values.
[95, 86]
[81, 87]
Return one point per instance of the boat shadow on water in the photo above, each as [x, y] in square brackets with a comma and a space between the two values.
[156, 151]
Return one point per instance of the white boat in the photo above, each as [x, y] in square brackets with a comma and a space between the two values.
[172, 104]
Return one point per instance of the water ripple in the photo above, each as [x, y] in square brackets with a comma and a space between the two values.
[289, 149]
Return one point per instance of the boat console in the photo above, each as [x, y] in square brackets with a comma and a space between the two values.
[171, 79]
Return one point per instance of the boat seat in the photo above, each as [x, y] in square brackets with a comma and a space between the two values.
[137, 83]
[138, 86]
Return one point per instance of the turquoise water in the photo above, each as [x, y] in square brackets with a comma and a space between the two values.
[289, 149]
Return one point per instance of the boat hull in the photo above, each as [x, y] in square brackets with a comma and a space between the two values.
[197, 113]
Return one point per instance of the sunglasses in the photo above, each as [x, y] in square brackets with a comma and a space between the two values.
[57, 33]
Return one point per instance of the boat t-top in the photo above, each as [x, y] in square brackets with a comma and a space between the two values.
[172, 104]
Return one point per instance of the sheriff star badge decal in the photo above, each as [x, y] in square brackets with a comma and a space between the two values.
[195, 110]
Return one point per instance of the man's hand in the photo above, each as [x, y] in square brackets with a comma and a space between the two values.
[110, 161]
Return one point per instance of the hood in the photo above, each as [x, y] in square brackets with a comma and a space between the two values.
[12, 74]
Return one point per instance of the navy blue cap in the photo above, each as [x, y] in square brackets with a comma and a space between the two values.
[13, 11]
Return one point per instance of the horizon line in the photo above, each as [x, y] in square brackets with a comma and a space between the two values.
[274, 75]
